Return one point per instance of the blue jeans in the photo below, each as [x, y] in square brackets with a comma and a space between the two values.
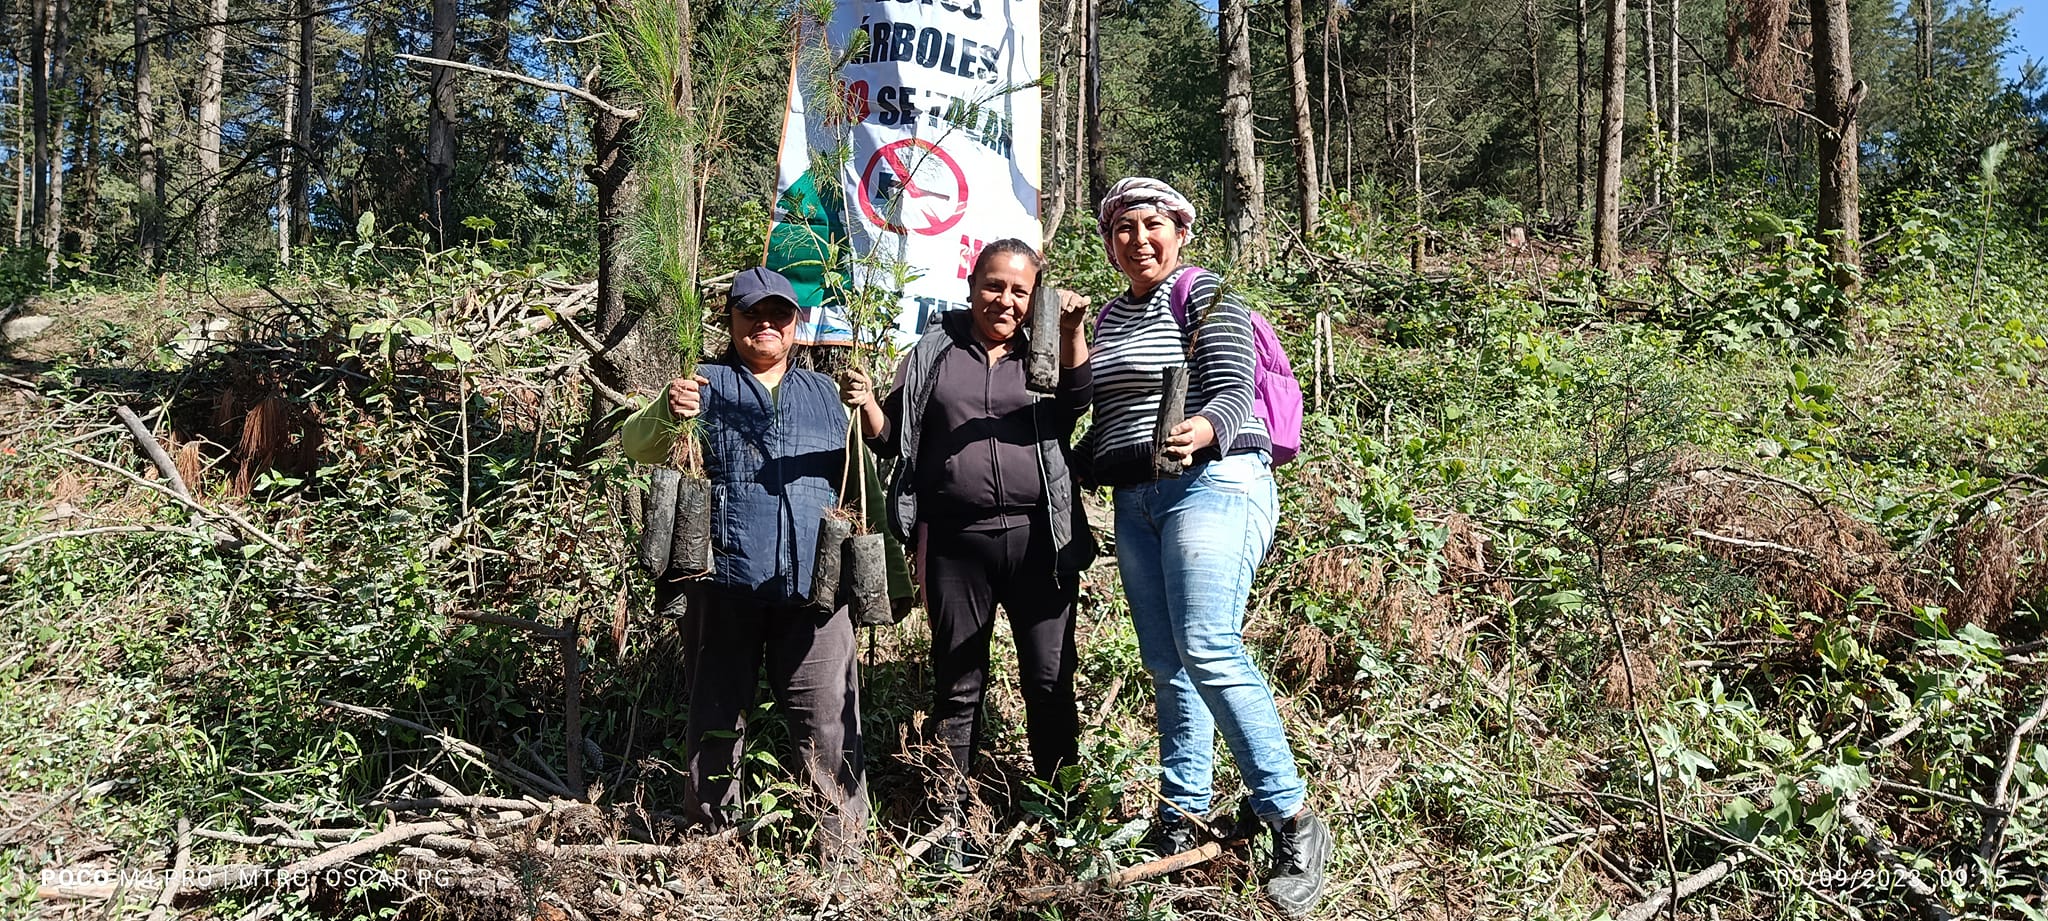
[1187, 548]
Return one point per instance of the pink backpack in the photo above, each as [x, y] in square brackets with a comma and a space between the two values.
[1276, 395]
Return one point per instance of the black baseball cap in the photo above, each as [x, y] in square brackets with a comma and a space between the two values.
[756, 285]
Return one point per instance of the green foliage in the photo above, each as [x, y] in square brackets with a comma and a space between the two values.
[1779, 285]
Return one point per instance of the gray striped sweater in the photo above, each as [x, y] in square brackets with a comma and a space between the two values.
[1135, 341]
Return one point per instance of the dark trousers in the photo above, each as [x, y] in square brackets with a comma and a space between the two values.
[810, 659]
[967, 573]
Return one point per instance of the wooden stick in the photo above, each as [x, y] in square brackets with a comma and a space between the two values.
[1117, 879]
[278, 840]
[153, 448]
[461, 802]
[925, 842]
[190, 503]
[1994, 831]
[616, 398]
[1648, 908]
[1922, 896]
[181, 853]
[503, 767]
[563, 88]
[396, 834]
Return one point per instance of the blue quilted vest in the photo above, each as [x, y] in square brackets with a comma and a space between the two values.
[774, 461]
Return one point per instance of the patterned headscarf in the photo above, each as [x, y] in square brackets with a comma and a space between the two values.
[1140, 192]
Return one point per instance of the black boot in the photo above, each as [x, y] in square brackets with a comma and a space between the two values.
[954, 851]
[1172, 833]
[1301, 846]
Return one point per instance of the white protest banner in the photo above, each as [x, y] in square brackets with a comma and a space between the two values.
[911, 140]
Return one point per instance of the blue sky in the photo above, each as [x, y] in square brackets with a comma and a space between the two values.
[2029, 33]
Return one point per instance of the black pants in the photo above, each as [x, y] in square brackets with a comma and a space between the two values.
[810, 657]
[966, 574]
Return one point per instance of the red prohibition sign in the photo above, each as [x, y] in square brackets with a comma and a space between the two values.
[938, 207]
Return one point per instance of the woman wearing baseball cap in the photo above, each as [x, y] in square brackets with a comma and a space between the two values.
[774, 440]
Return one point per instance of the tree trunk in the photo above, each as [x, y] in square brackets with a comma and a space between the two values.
[1614, 84]
[1579, 113]
[441, 123]
[634, 357]
[148, 204]
[1414, 108]
[1061, 191]
[1329, 40]
[287, 163]
[1098, 147]
[39, 89]
[59, 80]
[1836, 95]
[302, 128]
[1671, 85]
[23, 143]
[1923, 38]
[496, 51]
[88, 156]
[1304, 122]
[1244, 193]
[211, 72]
[1542, 203]
[1650, 97]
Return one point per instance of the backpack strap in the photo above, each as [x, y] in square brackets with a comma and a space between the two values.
[1176, 301]
[1182, 286]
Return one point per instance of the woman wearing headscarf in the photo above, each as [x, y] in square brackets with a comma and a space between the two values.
[1187, 545]
[774, 440]
[982, 490]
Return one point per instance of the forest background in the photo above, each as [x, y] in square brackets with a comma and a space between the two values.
[1669, 538]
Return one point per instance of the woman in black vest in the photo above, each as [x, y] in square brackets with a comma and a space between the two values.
[774, 442]
[982, 491]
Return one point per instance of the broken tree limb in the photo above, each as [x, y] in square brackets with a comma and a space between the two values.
[617, 399]
[1994, 831]
[181, 853]
[1124, 877]
[1753, 544]
[1687, 887]
[503, 767]
[1922, 896]
[275, 839]
[252, 530]
[485, 850]
[924, 843]
[340, 854]
[155, 449]
[463, 803]
[582, 94]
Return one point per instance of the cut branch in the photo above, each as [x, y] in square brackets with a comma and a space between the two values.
[1687, 887]
[504, 768]
[190, 503]
[1923, 896]
[585, 95]
[153, 448]
[1123, 877]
